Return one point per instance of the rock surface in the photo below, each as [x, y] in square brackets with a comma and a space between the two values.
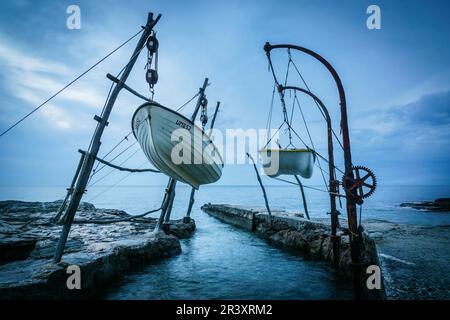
[438, 205]
[102, 251]
[415, 259]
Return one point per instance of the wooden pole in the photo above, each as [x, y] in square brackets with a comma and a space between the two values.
[165, 214]
[69, 191]
[170, 206]
[213, 121]
[191, 203]
[165, 204]
[262, 187]
[305, 206]
[191, 198]
[89, 159]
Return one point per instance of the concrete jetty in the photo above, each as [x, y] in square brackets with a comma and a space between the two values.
[102, 251]
[291, 230]
[413, 258]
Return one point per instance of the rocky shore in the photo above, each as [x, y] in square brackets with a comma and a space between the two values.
[415, 259]
[103, 251]
[438, 205]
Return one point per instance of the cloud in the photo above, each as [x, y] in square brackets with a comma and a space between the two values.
[34, 79]
[430, 110]
[59, 118]
[16, 59]
[418, 129]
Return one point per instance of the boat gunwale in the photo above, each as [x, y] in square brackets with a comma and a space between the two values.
[156, 104]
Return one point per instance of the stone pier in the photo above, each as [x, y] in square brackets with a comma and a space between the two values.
[103, 251]
[292, 231]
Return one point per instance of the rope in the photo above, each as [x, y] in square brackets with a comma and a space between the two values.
[315, 151]
[108, 153]
[115, 184]
[189, 101]
[68, 85]
[106, 175]
[104, 165]
[290, 127]
[104, 106]
[112, 84]
[269, 118]
[310, 138]
[309, 187]
[268, 141]
[317, 104]
[292, 110]
[287, 70]
[286, 118]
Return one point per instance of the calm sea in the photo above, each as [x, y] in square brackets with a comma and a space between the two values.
[222, 262]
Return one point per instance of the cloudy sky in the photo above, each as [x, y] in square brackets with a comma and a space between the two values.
[397, 79]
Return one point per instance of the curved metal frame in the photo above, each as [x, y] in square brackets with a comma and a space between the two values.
[355, 234]
[332, 179]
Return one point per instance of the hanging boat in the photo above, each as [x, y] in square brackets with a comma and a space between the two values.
[276, 162]
[153, 126]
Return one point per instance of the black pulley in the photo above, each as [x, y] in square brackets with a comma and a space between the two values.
[152, 44]
[203, 119]
[151, 77]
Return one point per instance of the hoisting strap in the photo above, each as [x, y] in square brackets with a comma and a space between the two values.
[312, 188]
[119, 167]
[115, 184]
[112, 170]
[109, 152]
[317, 104]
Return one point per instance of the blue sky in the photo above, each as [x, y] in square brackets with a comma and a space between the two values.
[397, 79]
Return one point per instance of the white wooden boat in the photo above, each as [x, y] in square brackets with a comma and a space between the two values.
[153, 126]
[276, 162]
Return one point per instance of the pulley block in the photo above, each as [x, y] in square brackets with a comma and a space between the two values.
[152, 44]
[151, 77]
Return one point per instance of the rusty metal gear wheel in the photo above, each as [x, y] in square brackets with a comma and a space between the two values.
[364, 183]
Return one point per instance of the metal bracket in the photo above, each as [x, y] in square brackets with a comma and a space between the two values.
[100, 119]
[337, 212]
[126, 87]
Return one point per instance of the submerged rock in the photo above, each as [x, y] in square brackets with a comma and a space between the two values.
[102, 250]
[182, 228]
[438, 205]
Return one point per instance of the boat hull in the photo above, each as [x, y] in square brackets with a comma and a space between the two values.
[176, 146]
[288, 162]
